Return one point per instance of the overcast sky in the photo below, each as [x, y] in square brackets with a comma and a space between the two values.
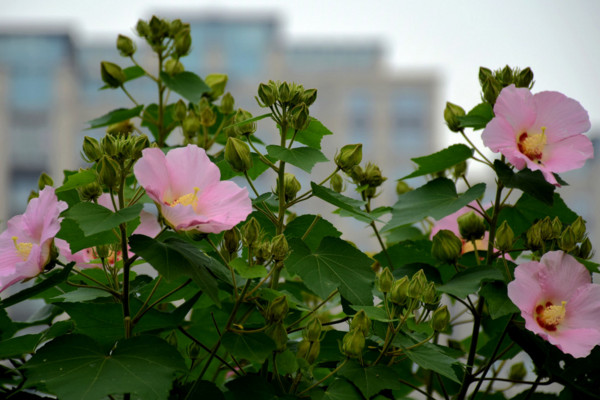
[559, 40]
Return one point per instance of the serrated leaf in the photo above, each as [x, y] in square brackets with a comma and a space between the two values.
[94, 218]
[352, 206]
[254, 347]
[245, 271]
[370, 380]
[374, 313]
[18, 346]
[79, 295]
[312, 135]
[304, 158]
[408, 252]
[77, 179]
[497, 300]
[189, 85]
[74, 367]
[436, 199]
[70, 231]
[530, 182]
[478, 117]
[300, 225]
[118, 115]
[441, 160]
[335, 264]
[468, 282]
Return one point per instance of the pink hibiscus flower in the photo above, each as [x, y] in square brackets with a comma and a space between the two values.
[559, 302]
[541, 132]
[25, 245]
[186, 187]
[450, 223]
[148, 226]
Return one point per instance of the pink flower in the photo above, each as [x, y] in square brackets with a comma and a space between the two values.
[25, 245]
[541, 132]
[450, 223]
[559, 302]
[186, 187]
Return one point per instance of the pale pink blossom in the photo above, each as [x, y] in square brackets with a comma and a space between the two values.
[559, 302]
[26, 243]
[541, 132]
[185, 186]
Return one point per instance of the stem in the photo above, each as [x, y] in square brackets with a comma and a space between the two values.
[129, 95]
[462, 132]
[383, 247]
[262, 157]
[310, 228]
[251, 184]
[313, 310]
[325, 378]
[126, 264]
[161, 90]
[141, 312]
[208, 350]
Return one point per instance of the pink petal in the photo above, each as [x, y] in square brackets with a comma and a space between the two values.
[148, 226]
[583, 308]
[152, 174]
[568, 154]
[560, 115]
[41, 218]
[525, 291]
[576, 342]
[181, 217]
[82, 258]
[517, 107]
[225, 204]
[190, 167]
[562, 276]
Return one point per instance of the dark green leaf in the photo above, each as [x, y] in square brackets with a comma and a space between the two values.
[497, 300]
[531, 182]
[118, 115]
[250, 387]
[441, 160]
[370, 380]
[77, 179]
[468, 282]
[189, 85]
[79, 295]
[302, 157]
[70, 231]
[245, 271]
[374, 313]
[335, 264]
[93, 218]
[18, 346]
[478, 117]
[436, 199]
[299, 228]
[341, 201]
[258, 167]
[286, 362]
[74, 367]
[341, 389]
[408, 252]
[254, 347]
[312, 135]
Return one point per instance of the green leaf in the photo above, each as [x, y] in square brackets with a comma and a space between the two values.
[254, 347]
[339, 200]
[175, 257]
[286, 362]
[245, 271]
[374, 313]
[131, 73]
[74, 367]
[341, 389]
[530, 182]
[468, 282]
[312, 135]
[70, 231]
[80, 295]
[302, 157]
[94, 218]
[118, 115]
[258, 167]
[436, 199]
[189, 85]
[18, 346]
[322, 228]
[408, 252]
[478, 117]
[77, 179]
[335, 264]
[441, 160]
[497, 299]
[370, 380]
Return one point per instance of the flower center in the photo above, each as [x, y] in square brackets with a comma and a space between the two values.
[186, 199]
[533, 145]
[549, 316]
[22, 248]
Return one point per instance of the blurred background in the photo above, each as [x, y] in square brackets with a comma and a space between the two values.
[383, 69]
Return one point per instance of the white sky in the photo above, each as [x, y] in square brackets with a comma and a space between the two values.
[559, 40]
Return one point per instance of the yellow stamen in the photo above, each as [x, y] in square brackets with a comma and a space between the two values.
[186, 199]
[22, 248]
[553, 315]
[533, 145]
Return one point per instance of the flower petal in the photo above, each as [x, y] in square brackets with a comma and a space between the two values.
[562, 276]
[583, 308]
[525, 291]
[224, 204]
[576, 342]
[560, 115]
[568, 154]
[189, 167]
[152, 174]
[517, 107]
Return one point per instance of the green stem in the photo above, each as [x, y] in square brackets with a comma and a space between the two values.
[322, 303]
[192, 338]
[143, 311]
[262, 157]
[129, 95]
[462, 132]
[314, 385]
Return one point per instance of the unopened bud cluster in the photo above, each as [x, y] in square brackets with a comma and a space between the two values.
[353, 342]
[290, 100]
[368, 179]
[276, 313]
[492, 83]
[310, 346]
[546, 234]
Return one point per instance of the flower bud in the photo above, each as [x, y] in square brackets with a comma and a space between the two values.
[337, 183]
[173, 66]
[193, 350]
[175, 26]
[556, 227]
[44, 180]
[266, 94]
[517, 372]
[471, 226]
[125, 46]
[245, 129]
[291, 186]
[278, 309]
[579, 229]
[312, 331]
[546, 231]
[430, 296]
[313, 353]
[567, 241]
[385, 280]
[217, 83]
[353, 343]
[183, 42]
[179, 111]
[108, 172]
[303, 349]
[172, 338]
[416, 285]
[446, 246]
[459, 169]
[227, 104]
[309, 96]
[262, 253]
[231, 240]
[357, 174]
[361, 322]
[373, 176]
[533, 237]
[399, 291]
[237, 154]
[208, 117]
[402, 187]
[585, 250]
[191, 125]
[300, 117]
[279, 335]
[91, 149]
[451, 114]
[90, 192]
[250, 232]
[524, 78]
[112, 74]
[504, 237]
[491, 89]
[440, 319]
[349, 156]
[142, 28]
[279, 247]
[109, 145]
[285, 94]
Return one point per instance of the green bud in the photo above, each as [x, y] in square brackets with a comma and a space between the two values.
[586, 250]
[112, 74]
[361, 322]
[279, 335]
[291, 186]
[109, 145]
[312, 331]
[440, 319]
[568, 240]
[402, 187]
[142, 28]
[353, 343]
[349, 156]
[357, 174]
[446, 246]
[227, 103]
[174, 27]
[309, 96]
[533, 237]
[208, 117]
[300, 117]
[90, 192]
[303, 349]
[191, 125]
[491, 89]
[44, 180]
[231, 240]
[517, 372]
[245, 129]
[278, 309]
[484, 74]
[91, 149]
[459, 169]
[120, 128]
[262, 253]
[504, 76]
[125, 46]
[173, 67]
[108, 172]
[193, 351]
[385, 280]
[217, 83]
[237, 154]
[416, 286]
[183, 43]
[399, 291]
[524, 78]
[504, 237]
[451, 114]
[158, 28]
[373, 176]
[266, 94]
[556, 227]
[250, 232]
[172, 338]
[279, 247]
[285, 94]
[430, 295]
[179, 111]
[471, 226]
[337, 183]
[313, 353]
[546, 232]
[579, 229]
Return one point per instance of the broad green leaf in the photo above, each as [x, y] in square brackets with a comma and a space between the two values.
[131, 73]
[189, 85]
[336, 264]
[175, 257]
[245, 271]
[258, 167]
[72, 233]
[18, 346]
[250, 387]
[370, 380]
[340, 389]
[530, 182]
[74, 367]
[441, 160]
[286, 362]
[436, 199]
[312, 135]
[374, 313]
[77, 179]
[408, 252]
[118, 115]
[300, 225]
[79, 295]
[302, 157]
[497, 299]
[478, 117]
[468, 282]
[94, 218]
[254, 347]
[341, 201]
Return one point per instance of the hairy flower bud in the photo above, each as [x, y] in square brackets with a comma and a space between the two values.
[231, 240]
[471, 226]
[349, 156]
[313, 353]
[285, 94]
[303, 349]
[440, 319]
[208, 117]
[402, 187]
[416, 285]
[179, 111]
[361, 322]
[142, 28]
[353, 343]
[90, 192]
[524, 78]
[91, 149]
[227, 104]
[533, 237]
[250, 232]
[279, 335]
[277, 309]
[309, 96]
[399, 291]
[546, 231]
[291, 186]
[446, 246]
[237, 154]
[556, 227]
[217, 83]
[244, 129]
[125, 46]
[112, 74]
[279, 247]
[300, 117]
[579, 229]
[183, 42]
[430, 296]
[191, 125]
[517, 372]
[108, 172]
[173, 66]
[385, 280]
[337, 183]
[585, 249]
[109, 145]
[312, 331]
[44, 180]
[373, 176]
[459, 169]
[266, 94]
[504, 237]
[451, 114]
[568, 240]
